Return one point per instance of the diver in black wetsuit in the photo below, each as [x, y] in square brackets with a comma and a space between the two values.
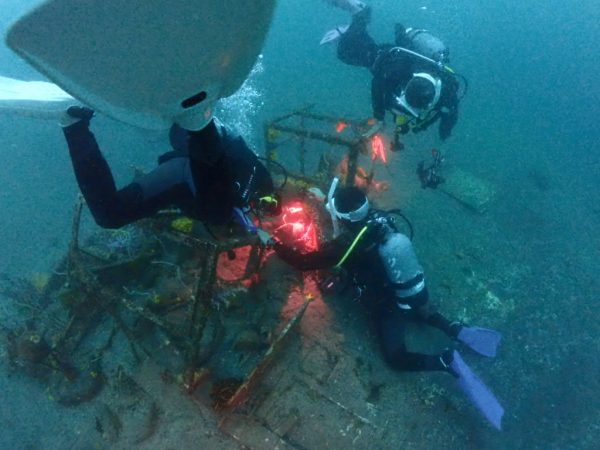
[383, 266]
[212, 176]
[417, 90]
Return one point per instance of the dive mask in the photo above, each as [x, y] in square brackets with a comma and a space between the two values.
[413, 110]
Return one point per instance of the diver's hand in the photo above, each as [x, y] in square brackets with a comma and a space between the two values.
[375, 126]
[265, 238]
[75, 114]
[316, 193]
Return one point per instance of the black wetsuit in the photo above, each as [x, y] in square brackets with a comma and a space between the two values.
[365, 271]
[210, 172]
[391, 71]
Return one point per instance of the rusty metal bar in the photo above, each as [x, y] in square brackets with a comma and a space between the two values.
[308, 180]
[302, 148]
[201, 302]
[292, 114]
[355, 124]
[150, 316]
[306, 112]
[242, 393]
[317, 135]
[352, 163]
[74, 245]
[73, 255]
[254, 259]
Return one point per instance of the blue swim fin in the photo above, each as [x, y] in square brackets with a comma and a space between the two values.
[477, 391]
[483, 340]
[334, 35]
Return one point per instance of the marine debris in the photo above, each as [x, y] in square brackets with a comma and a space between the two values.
[168, 301]
[169, 290]
[323, 141]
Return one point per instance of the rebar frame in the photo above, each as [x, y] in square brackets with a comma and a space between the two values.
[355, 143]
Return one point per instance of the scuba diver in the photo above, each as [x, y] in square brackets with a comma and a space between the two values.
[211, 175]
[410, 77]
[383, 271]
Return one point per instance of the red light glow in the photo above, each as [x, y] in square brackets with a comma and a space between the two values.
[362, 179]
[340, 126]
[378, 149]
[233, 269]
[297, 228]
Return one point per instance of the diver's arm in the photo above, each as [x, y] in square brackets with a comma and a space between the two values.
[423, 125]
[326, 257]
[378, 98]
[447, 122]
[449, 110]
[448, 117]
[112, 208]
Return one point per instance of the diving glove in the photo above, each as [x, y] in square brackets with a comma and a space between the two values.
[316, 193]
[375, 126]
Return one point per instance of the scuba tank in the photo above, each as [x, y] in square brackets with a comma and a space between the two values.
[429, 51]
[404, 273]
[394, 251]
[428, 45]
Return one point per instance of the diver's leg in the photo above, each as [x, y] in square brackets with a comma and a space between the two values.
[391, 325]
[109, 207]
[484, 341]
[436, 320]
[356, 47]
[91, 169]
[425, 312]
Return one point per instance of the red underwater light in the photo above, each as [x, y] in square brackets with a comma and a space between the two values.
[297, 228]
[378, 148]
